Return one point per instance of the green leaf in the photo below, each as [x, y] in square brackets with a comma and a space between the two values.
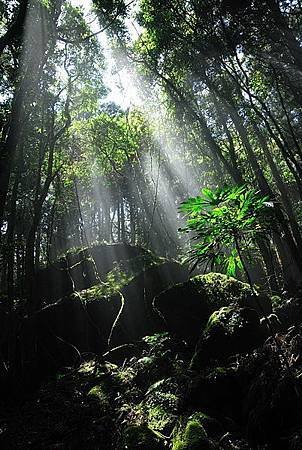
[222, 219]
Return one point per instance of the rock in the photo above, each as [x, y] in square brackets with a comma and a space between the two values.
[192, 435]
[59, 334]
[186, 308]
[138, 317]
[61, 414]
[77, 269]
[101, 396]
[229, 331]
[162, 401]
[151, 368]
[158, 359]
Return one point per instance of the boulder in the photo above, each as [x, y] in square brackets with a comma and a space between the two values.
[73, 410]
[83, 322]
[229, 331]
[161, 405]
[186, 308]
[77, 269]
[192, 435]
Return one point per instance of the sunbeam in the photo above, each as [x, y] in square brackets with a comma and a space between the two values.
[164, 168]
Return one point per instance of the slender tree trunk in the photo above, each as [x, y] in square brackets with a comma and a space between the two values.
[266, 189]
[9, 148]
[132, 222]
[123, 231]
[16, 30]
[281, 187]
[272, 269]
[10, 237]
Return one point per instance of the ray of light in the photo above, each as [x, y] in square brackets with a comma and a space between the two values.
[168, 175]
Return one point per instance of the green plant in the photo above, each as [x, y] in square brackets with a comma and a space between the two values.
[227, 224]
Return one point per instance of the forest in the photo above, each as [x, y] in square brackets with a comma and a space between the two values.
[151, 224]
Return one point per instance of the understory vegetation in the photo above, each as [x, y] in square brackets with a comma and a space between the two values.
[150, 224]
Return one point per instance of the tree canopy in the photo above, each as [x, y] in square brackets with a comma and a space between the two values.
[218, 88]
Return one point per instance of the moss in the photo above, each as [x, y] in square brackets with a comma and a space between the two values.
[150, 368]
[74, 251]
[162, 405]
[193, 435]
[93, 367]
[221, 289]
[120, 276]
[217, 318]
[100, 394]
[126, 376]
[114, 282]
[146, 361]
[112, 285]
[157, 340]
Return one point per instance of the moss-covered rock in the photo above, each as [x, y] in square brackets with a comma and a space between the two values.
[159, 419]
[192, 435]
[162, 401]
[229, 331]
[186, 308]
[251, 401]
[101, 396]
[222, 289]
[119, 309]
[80, 268]
[61, 414]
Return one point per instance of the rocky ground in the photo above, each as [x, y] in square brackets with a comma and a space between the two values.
[220, 370]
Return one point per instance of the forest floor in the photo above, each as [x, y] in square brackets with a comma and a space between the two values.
[157, 401]
[215, 375]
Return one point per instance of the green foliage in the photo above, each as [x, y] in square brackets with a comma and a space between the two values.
[45, 3]
[114, 282]
[158, 419]
[276, 301]
[157, 342]
[225, 222]
[106, 144]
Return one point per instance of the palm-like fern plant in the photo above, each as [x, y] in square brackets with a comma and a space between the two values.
[226, 224]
